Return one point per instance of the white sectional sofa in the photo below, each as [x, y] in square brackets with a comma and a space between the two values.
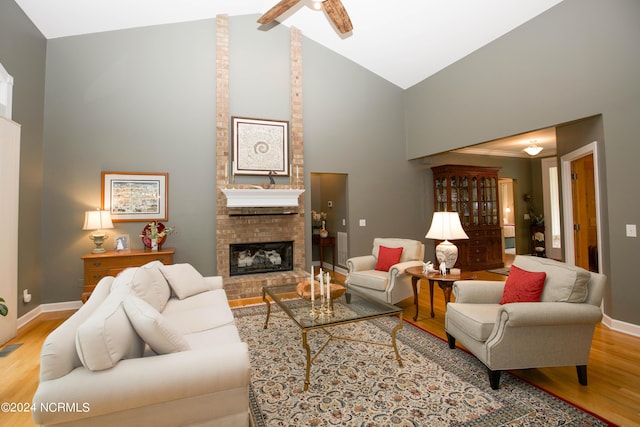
[156, 345]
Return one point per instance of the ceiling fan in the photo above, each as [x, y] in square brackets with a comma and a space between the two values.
[333, 8]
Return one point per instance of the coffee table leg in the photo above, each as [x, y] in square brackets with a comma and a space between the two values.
[393, 339]
[264, 298]
[305, 345]
[414, 283]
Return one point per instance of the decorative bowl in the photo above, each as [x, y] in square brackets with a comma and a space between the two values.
[304, 290]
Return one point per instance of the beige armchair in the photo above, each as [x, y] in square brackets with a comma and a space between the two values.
[557, 331]
[389, 286]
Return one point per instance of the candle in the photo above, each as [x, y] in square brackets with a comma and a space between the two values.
[321, 283]
[328, 286]
[313, 287]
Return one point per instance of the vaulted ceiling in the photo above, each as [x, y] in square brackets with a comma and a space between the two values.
[403, 41]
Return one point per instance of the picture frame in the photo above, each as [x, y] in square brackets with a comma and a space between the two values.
[136, 196]
[260, 147]
[122, 243]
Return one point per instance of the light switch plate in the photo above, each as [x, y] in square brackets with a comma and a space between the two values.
[631, 230]
[363, 223]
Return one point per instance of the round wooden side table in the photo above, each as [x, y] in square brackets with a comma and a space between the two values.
[444, 282]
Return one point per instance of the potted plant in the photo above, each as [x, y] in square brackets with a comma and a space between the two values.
[4, 310]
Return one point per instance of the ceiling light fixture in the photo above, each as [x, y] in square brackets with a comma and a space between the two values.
[317, 4]
[533, 149]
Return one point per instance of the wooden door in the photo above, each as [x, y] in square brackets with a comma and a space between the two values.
[585, 228]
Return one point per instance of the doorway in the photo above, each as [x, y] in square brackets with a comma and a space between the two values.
[328, 195]
[582, 227]
[508, 213]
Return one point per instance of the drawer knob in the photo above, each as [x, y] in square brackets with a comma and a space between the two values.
[97, 276]
[97, 263]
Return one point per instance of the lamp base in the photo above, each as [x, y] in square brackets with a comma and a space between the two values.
[447, 252]
[98, 240]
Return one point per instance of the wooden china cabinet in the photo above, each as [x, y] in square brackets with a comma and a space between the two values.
[472, 191]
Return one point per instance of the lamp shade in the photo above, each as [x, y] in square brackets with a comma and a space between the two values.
[446, 226]
[97, 220]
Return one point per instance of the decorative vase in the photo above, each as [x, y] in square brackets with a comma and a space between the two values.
[323, 233]
[154, 245]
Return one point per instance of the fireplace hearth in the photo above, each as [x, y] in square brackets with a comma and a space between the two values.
[263, 257]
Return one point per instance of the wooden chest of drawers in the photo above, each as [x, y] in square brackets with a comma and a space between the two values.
[110, 263]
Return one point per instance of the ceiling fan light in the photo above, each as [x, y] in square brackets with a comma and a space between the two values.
[533, 150]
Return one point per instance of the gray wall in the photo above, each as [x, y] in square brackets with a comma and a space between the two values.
[144, 100]
[579, 59]
[23, 53]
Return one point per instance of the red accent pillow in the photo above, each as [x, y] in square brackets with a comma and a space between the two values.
[523, 286]
[388, 257]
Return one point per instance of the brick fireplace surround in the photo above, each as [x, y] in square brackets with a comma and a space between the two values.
[248, 225]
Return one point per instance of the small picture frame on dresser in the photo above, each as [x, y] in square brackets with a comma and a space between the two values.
[122, 243]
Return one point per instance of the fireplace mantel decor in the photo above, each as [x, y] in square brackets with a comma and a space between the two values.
[260, 147]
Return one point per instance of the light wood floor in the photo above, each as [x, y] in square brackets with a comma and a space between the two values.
[614, 372]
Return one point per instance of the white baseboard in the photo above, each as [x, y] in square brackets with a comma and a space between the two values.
[47, 308]
[620, 326]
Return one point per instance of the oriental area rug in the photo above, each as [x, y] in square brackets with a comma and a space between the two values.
[361, 384]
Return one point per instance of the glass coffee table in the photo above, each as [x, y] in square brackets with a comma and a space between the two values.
[299, 310]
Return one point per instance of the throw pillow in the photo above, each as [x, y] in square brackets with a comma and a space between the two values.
[185, 280]
[388, 257]
[523, 286]
[107, 336]
[153, 327]
[147, 282]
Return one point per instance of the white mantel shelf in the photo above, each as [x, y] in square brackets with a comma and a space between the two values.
[261, 197]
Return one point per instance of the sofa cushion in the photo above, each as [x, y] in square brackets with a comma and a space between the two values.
[147, 282]
[523, 286]
[564, 283]
[388, 257]
[107, 336]
[476, 320]
[153, 327]
[371, 279]
[185, 280]
[204, 311]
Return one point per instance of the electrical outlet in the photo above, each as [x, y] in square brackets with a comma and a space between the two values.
[631, 230]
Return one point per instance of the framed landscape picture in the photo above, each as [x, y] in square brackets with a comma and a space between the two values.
[260, 146]
[135, 196]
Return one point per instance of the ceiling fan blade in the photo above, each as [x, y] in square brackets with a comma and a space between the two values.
[277, 10]
[338, 15]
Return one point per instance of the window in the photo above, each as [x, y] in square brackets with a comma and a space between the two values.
[6, 92]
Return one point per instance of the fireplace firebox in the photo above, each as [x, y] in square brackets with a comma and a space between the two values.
[263, 257]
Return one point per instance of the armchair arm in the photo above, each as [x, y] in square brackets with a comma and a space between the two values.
[361, 263]
[399, 268]
[478, 291]
[527, 314]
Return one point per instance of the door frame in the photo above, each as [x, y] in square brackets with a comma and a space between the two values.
[567, 201]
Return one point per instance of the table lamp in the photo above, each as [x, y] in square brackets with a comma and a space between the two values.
[445, 226]
[97, 220]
